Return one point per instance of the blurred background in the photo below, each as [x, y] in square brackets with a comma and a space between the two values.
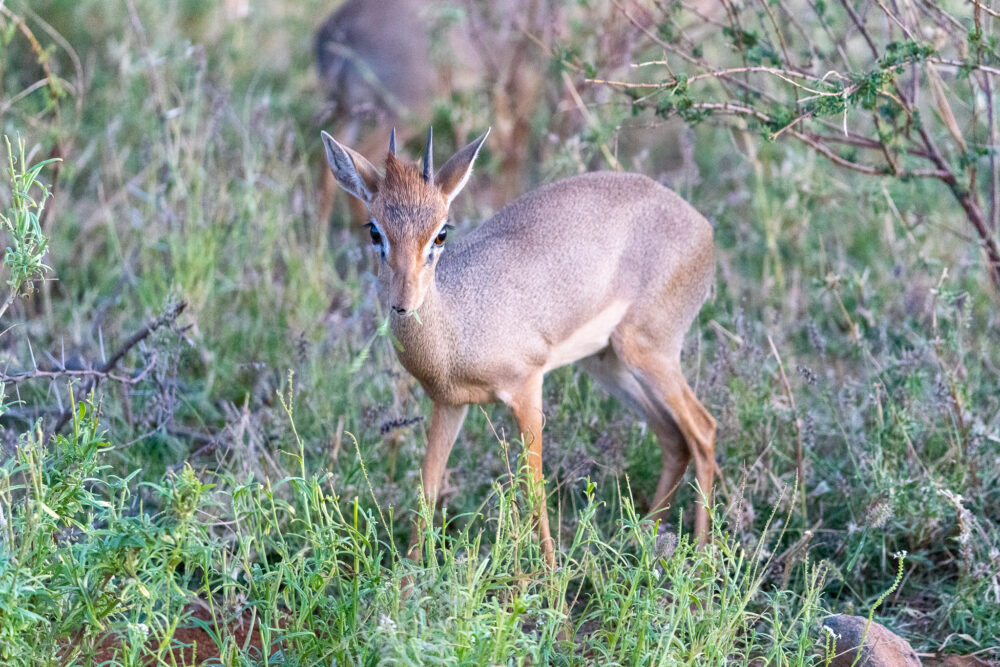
[845, 153]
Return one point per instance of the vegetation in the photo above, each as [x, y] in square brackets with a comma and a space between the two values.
[204, 429]
[882, 90]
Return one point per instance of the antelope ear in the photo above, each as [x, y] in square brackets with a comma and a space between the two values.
[353, 172]
[456, 171]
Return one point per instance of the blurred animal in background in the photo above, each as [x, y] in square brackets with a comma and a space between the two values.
[374, 61]
[407, 63]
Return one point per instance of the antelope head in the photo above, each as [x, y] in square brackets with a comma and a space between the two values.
[407, 212]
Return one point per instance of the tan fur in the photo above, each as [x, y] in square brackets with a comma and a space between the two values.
[609, 269]
[408, 198]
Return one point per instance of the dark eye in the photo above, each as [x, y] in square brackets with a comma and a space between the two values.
[376, 237]
[442, 235]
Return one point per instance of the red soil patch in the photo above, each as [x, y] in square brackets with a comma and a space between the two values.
[192, 644]
[957, 661]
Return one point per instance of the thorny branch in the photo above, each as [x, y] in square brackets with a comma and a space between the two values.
[105, 370]
[917, 125]
[38, 373]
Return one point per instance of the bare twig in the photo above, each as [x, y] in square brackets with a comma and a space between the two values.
[860, 25]
[992, 12]
[815, 142]
[991, 120]
[37, 374]
[685, 56]
[958, 64]
[784, 74]
[91, 381]
[7, 302]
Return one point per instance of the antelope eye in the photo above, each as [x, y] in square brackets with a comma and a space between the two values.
[376, 237]
[442, 235]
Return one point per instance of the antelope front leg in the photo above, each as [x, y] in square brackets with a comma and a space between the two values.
[446, 421]
[527, 406]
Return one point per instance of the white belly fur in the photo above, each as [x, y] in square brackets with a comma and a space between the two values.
[592, 336]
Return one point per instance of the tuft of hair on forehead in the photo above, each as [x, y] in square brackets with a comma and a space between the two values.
[405, 202]
[404, 184]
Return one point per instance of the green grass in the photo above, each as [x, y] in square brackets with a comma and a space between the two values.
[325, 577]
[190, 161]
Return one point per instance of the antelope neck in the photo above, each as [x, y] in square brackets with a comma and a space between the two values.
[425, 342]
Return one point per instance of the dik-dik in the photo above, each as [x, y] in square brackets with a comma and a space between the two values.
[608, 269]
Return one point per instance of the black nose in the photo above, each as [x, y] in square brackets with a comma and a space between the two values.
[399, 310]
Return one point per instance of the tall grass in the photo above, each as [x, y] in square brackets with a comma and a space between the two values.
[88, 575]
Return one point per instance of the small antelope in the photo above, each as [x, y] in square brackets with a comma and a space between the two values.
[609, 269]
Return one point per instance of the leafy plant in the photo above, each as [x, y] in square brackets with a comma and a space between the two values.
[21, 222]
[876, 89]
